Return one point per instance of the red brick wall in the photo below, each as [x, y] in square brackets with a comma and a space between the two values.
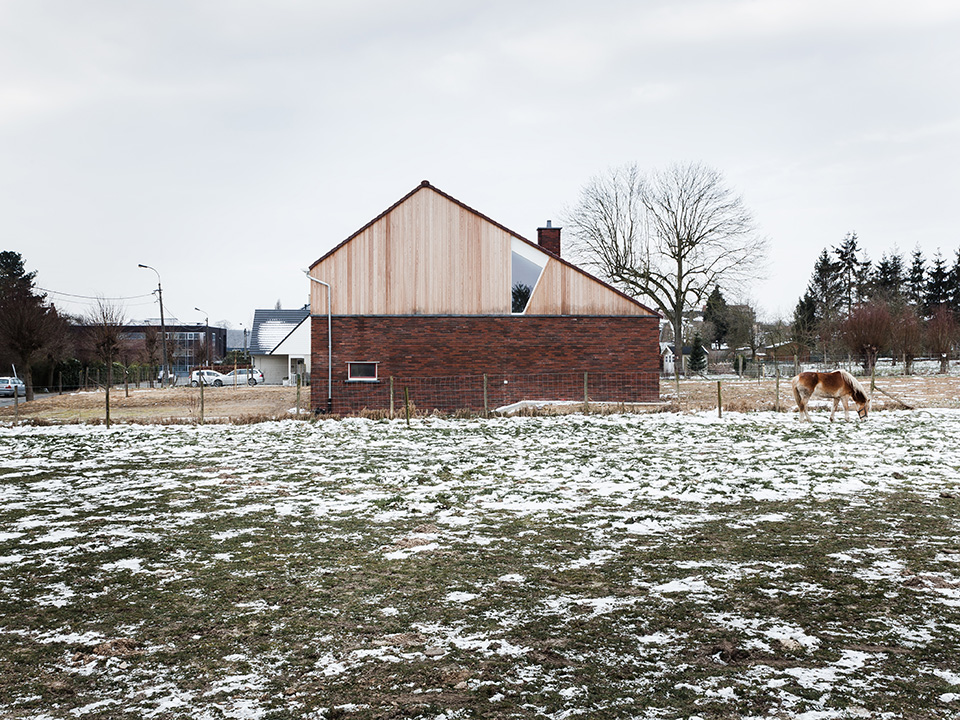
[441, 359]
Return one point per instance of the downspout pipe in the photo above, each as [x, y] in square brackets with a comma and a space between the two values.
[329, 343]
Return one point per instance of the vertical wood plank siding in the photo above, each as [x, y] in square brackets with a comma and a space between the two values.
[429, 255]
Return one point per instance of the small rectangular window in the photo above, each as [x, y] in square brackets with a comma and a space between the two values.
[362, 371]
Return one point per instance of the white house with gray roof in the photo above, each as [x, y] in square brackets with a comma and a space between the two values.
[280, 344]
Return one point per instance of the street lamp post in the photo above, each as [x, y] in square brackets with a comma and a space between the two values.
[164, 375]
[329, 343]
[206, 336]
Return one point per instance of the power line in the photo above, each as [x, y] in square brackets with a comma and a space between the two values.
[92, 297]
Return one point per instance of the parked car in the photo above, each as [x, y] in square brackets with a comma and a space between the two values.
[171, 377]
[11, 385]
[250, 376]
[208, 377]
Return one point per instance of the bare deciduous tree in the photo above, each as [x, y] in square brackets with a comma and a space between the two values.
[105, 329]
[667, 238]
[942, 333]
[866, 332]
[906, 337]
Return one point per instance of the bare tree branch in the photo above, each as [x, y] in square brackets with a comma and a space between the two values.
[667, 238]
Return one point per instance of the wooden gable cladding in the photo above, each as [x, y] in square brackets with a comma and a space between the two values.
[565, 290]
[427, 255]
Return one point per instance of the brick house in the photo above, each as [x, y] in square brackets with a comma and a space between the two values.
[435, 300]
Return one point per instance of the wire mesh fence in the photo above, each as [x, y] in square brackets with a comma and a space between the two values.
[487, 392]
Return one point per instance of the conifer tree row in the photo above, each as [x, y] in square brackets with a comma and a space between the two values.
[852, 305]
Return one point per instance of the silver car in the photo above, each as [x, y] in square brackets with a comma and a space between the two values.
[241, 376]
[11, 385]
[209, 377]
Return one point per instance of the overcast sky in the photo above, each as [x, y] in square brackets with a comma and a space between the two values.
[229, 143]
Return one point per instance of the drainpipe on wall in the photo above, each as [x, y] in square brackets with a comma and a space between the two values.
[329, 343]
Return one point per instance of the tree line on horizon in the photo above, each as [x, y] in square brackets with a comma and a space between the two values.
[904, 309]
[47, 348]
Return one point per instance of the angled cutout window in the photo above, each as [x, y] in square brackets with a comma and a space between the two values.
[526, 267]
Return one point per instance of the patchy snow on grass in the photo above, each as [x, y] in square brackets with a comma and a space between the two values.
[640, 566]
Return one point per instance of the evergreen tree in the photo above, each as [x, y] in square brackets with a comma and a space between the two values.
[864, 288]
[917, 279]
[28, 325]
[953, 281]
[805, 321]
[888, 279]
[15, 281]
[848, 270]
[520, 297]
[698, 356]
[826, 290]
[716, 313]
[937, 290]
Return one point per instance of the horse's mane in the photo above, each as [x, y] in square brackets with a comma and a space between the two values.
[857, 392]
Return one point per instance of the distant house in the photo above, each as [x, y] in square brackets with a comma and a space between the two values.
[437, 298]
[668, 357]
[280, 344]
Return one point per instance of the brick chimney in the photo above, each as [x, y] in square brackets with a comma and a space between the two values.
[549, 238]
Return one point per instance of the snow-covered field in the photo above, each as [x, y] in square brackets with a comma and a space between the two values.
[641, 566]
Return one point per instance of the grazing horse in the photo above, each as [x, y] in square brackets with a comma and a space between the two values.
[839, 385]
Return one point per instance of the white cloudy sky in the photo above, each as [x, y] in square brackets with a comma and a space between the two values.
[229, 144]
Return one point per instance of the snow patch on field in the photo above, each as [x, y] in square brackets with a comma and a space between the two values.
[529, 544]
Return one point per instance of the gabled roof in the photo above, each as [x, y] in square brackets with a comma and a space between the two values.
[425, 185]
[401, 201]
[272, 327]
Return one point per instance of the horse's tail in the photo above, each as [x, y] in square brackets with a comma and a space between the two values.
[857, 392]
[796, 392]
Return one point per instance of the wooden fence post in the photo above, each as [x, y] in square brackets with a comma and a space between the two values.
[586, 396]
[719, 400]
[486, 402]
[776, 405]
[406, 404]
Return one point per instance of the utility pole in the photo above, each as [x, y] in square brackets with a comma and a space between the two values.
[206, 337]
[164, 374]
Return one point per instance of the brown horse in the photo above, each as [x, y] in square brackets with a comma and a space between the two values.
[839, 385]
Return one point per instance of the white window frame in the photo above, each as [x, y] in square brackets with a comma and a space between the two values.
[376, 371]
